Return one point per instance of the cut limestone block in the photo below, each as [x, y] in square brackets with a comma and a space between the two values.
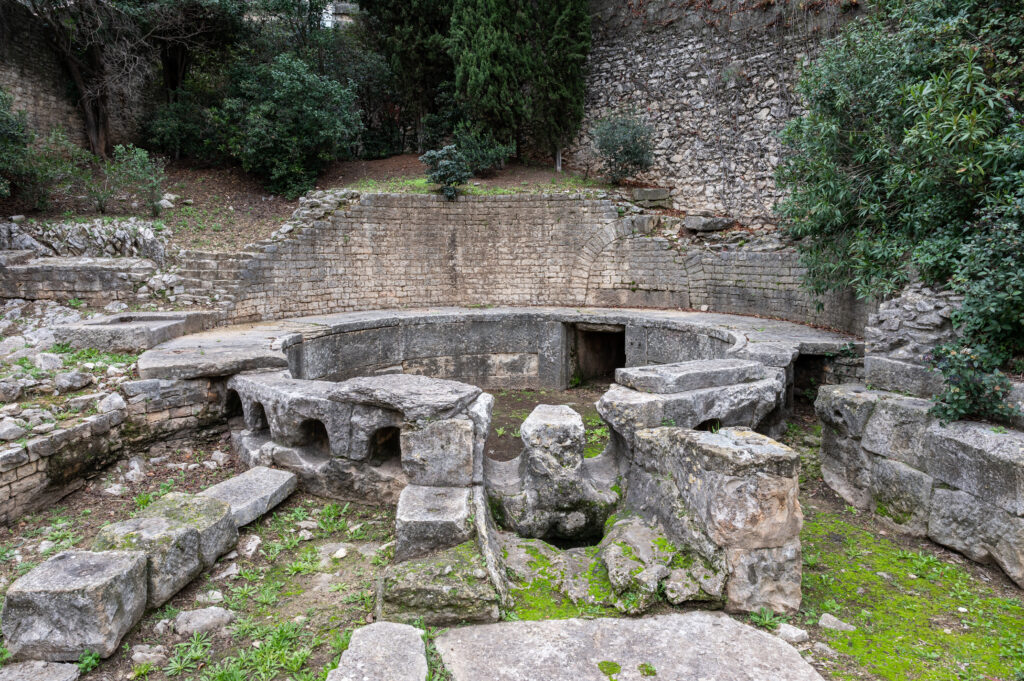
[439, 453]
[40, 671]
[254, 492]
[430, 519]
[685, 376]
[383, 650]
[74, 602]
[171, 547]
[211, 517]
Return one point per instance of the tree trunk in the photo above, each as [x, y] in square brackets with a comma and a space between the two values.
[94, 112]
[558, 160]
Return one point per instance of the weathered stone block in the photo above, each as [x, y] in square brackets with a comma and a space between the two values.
[431, 519]
[74, 602]
[901, 496]
[686, 376]
[253, 493]
[211, 518]
[439, 453]
[974, 458]
[980, 531]
[895, 430]
[40, 671]
[846, 467]
[846, 408]
[885, 373]
[171, 547]
[383, 650]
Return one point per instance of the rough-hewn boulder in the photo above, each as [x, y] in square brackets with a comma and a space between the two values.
[210, 517]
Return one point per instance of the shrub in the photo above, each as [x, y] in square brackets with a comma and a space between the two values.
[625, 145]
[15, 138]
[137, 170]
[448, 168]
[183, 128]
[482, 152]
[910, 161]
[285, 123]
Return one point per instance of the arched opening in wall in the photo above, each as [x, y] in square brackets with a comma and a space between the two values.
[711, 426]
[313, 434]
[385, 447]
[809, 374]
[597, 350]
[233, 412]
[257, 418]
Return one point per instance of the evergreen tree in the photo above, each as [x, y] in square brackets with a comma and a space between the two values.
[492, 63]
[413, 37]
[561, 38]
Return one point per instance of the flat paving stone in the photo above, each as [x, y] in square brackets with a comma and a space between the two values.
[254, 492]
[704, 646]
[383, 651]
[40, 671]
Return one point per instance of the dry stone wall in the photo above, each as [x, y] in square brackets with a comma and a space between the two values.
[714, 79]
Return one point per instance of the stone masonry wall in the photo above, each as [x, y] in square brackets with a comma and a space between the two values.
[714, 79]
[344, 252]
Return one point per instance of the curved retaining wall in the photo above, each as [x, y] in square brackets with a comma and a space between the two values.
[348, 252]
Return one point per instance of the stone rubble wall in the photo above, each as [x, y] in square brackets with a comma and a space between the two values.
[961, 485]
[715, 82]
[100, 238]
[95, 281]
[45, 468]
[342, 251]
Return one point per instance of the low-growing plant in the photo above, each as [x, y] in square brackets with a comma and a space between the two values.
[88, 661]
[448, 168]
[766, 619]
[483, 153]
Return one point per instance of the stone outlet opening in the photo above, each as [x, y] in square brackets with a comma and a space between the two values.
[385, 447]
[598, 350]
[313, 434]
[711, 425]
[232, 406]
[809, 373]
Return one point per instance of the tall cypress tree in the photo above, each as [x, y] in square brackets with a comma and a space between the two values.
[413, 36]
[561, 38]
[491, 63]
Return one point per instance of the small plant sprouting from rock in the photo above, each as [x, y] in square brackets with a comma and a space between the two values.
[88, 661]
[609, 668]
[647, 669]
[766, 619]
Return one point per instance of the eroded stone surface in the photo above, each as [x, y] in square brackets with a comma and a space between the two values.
[40, 671]
[75, 601]
[677, 646]
[685, 376]
[439, 453]
[211, 518]
[253, 493]
[171, 547]
[383, 650]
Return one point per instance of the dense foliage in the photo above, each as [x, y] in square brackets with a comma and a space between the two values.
[285, 123]
[625, 145]
[15, 138]
[910, 163]
[483, 154]
[448, 168]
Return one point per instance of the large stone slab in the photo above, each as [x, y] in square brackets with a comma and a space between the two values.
[430, 519]
[685, 376]
[211, 518]
[171, 547]
[416, 397]
[254, 492]
[74, 602]
[697, 645]
[383, 650]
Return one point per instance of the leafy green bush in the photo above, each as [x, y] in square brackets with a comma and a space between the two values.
[974, 385]
[285, 123]
[137, 170]
[183, 128]
[482, 152]
[910, 162]
[15, 138]
[448, 168]
[625, 144]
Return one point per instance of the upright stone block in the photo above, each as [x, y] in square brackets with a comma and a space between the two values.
[253, 493]
[430, 519]
[74, 602]
[439, 453]
[171, 547]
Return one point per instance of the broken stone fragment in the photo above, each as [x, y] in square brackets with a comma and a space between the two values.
[204, 620]
[74, 602]
[431, 519]
[171, 547]
[383, 650]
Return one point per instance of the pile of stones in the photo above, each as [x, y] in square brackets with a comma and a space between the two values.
[99, 238]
